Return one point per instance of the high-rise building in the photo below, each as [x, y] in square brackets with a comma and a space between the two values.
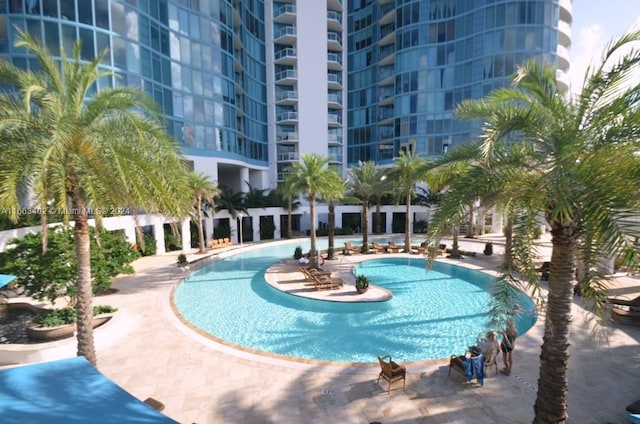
[249, 86]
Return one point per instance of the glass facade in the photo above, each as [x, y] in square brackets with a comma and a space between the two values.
[412, 61]
[408, 63]
[202, 61]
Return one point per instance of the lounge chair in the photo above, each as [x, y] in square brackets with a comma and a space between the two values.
[626, 315]
[376, 247]
[624, 302]
[391, 372]
[468, 366]
[442, 250]
[350, 248]
[329, 282]
[392, 247]
[310, 274]
[544, 270]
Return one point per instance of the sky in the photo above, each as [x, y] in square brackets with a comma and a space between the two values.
[595, 23]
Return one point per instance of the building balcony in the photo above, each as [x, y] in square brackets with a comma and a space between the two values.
[286, 56]
[285, 14]
[387, 55]
[286, 35]
[335, 158]
[334, 4]
[288, 77]
[287, 136]
[334, 41]
[334, 21]
[387, 13]
[334, 61]
[334, 120]
[287, 97]
[335, 101]
[386, 132]
[334, 138]
[287, 118]
[334, 80]
[288, 157]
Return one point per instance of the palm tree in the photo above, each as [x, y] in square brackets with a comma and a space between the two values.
[331, 197]
[312, 177]
[383, 187]
[232, 201]
[203, 190]
[581, 165]
[363, 184]
[407, 170]
[96, 154]
[288, 190]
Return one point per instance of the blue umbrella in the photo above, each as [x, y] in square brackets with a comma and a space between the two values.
[6, 279]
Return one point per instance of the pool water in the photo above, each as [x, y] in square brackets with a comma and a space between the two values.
[432, 314]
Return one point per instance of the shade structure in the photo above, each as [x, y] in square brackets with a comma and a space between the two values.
[69, 391]
[6, 279]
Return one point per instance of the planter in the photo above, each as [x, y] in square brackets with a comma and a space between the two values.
[362, 290]
[62, 331]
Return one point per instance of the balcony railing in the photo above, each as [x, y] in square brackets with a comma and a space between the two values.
[337, 78]
[288, 30]
[288, 156]
[289, 73]
[283, 10]
[332, 118]
[287, 136]
[286, 53]
[288, 116]
[288, 94]
[333, 57]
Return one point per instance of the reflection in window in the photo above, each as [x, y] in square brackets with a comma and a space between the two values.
[85, 15]
[87, 52]
[52, 37]
[68, 38]
[50, 8]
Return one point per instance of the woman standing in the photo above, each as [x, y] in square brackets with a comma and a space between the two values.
[508, 342]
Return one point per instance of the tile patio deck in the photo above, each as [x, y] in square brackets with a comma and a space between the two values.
[202, 381]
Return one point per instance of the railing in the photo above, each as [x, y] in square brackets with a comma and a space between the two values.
[386, 51]
[288, 94]
[288, 116]
[387, 29]
[333, 57]
[288, 30]
[335, 98]
[386, 8]
[289, 73]
[285, 53]
[336, 16]
[287, 156]
[284, 9]
[287, 136]
[337, 78]
[386, 72]
[334, 36]
[334, 119]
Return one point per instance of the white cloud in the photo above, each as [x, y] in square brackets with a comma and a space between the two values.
[586, 48]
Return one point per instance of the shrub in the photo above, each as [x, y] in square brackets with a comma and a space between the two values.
[182, 259]
[66, 316]
[297, 254]
[362, 282]
[488, 248]
[150, 247]
[52, 275]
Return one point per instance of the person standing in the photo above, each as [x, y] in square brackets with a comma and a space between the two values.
[507, 345]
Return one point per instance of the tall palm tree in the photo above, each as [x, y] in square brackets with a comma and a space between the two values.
[383, 187]
[582, 163]
[407, 170]
[202, 190]
[313, 177]
[331, 196]
[97, 153]
[288, 190]
[362, 186]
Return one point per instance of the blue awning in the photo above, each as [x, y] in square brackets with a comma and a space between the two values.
[69, 391]
[6, 279]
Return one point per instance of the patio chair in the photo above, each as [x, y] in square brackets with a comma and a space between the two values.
[442, 250]
[626, 315]
[544, 270]
[392, 247]
[391, 371]
[376, 247]
[624, 302]
[350, 248]
[328, 282]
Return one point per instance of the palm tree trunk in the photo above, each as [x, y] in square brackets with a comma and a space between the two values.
[551, 401]
[470, 233]
[200, 232]
[43, 230]
[331, 230]
[365, 226]
[407, 224]
[455, 247]
[84, 301]
[289, 226]
[313, 260]
[378, 217]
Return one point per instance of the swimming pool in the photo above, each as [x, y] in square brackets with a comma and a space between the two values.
[431, 315]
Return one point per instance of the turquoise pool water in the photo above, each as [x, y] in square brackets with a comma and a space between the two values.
[431, 315]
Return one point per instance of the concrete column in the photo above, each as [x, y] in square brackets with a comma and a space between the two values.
[255, 224]
[208, 229]
[185, 229]
[277, 233]
[130, 233]
[158, 234]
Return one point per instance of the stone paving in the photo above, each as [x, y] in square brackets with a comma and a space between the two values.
[203, 381]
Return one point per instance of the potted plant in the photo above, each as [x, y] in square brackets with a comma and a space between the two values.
[182, 260]
[362, 283]
[488, 248]
[297, 253]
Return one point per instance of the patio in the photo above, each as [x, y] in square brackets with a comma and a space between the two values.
[203, 381]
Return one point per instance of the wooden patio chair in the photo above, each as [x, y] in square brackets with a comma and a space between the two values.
[391, 372]
[392, 247]
[350, 248]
